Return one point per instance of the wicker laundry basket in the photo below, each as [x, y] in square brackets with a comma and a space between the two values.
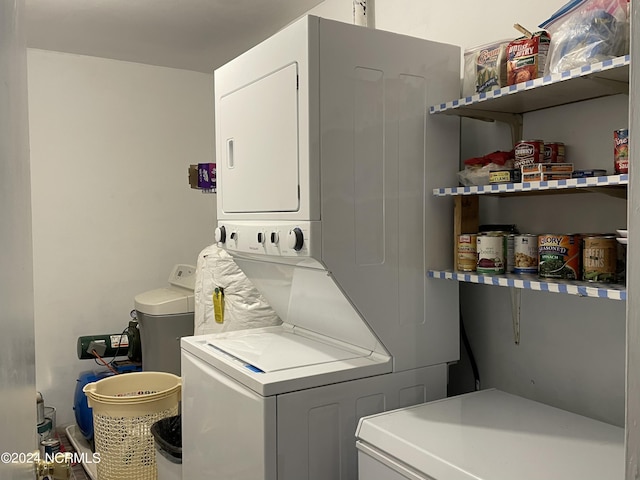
[124, 409]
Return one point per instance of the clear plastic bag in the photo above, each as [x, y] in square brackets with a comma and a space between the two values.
[587, 31]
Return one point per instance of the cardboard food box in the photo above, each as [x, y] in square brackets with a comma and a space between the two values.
[544, 177]
[547, 168]
[526, 58]
[203, 176]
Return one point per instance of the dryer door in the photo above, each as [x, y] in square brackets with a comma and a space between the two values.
[258, 126]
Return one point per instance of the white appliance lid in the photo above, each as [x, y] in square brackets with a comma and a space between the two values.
[165, 301]
[280, 350]
[492, 435]
[175, 299]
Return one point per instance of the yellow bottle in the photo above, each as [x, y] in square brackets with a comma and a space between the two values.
[218, 305]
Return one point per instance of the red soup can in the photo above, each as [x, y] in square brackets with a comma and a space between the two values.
[554, 152]
[528, 152]
[621, 150]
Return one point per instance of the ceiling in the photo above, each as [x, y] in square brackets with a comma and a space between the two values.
[195, 35]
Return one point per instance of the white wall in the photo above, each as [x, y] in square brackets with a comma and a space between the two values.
[112, 208]
[340, 10]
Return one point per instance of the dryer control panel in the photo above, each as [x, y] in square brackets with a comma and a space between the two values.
[281, 239]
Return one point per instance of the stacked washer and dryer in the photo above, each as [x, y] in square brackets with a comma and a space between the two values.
[325, 161]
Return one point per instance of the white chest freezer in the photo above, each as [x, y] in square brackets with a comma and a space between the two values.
[488, 435]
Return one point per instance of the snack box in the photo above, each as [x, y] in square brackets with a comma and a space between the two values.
[589, 173]
[504, 176]
[207, 176]
[548, 168]
[544, 177]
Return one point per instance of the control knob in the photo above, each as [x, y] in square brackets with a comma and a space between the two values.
[220, 234]
[296, 239]
[261, 238]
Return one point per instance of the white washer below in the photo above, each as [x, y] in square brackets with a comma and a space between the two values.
[278, 403]
[487, 435]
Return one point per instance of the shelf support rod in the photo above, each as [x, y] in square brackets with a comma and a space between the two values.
[515, 294]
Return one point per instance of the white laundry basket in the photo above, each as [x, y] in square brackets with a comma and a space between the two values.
[124, 409]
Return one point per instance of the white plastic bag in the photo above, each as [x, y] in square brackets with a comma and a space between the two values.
[244, 305]
[585, 32]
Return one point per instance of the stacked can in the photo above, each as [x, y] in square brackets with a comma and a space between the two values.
[599, 258]
[528, 152]
[525, 254]
[621, 151]
[467, 252]
[492, 252]
[554, 152]
[559, 256]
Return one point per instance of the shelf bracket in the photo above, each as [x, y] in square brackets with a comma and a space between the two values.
[515, 294]
[514, 120]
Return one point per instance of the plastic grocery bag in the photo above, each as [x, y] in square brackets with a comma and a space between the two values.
[478, 169]
[587, 31]
[244, 306]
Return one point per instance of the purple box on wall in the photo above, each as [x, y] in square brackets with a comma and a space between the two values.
[207, 176]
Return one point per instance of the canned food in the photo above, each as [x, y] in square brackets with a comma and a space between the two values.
[491, 253]
[527, 152]
[599, 258]
[621, 271]
[621, 150]
[467, 252]
[45, 429]
[511, 254]
[526, 254]
[554, 152]
[49, 448]
[559, 256]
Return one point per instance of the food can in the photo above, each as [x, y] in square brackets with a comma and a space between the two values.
[511, 254]
[49, 448]
[526, 254]
[467, 252]
[621, 150]
[554, 152]
[559, 256]
[491, 253]
[527, 152]
[621, 271]
[44, 429]
[599, 258]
